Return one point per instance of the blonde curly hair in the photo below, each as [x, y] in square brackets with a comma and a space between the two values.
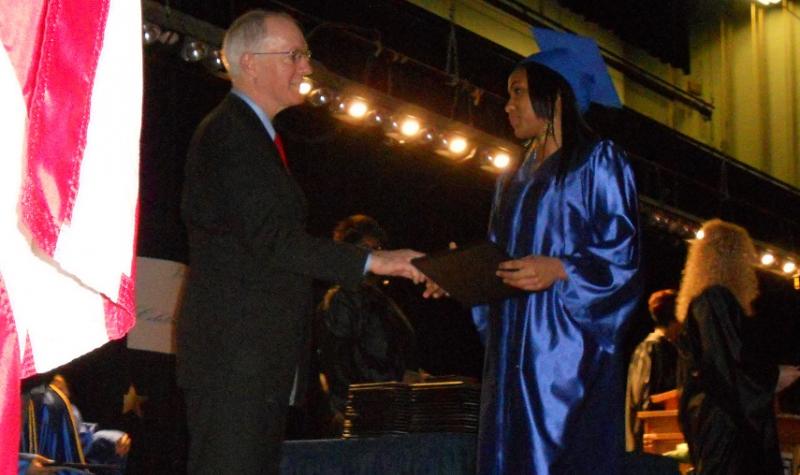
[724, 256]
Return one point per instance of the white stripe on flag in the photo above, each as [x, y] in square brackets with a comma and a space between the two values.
[97, 244]
[58, 303]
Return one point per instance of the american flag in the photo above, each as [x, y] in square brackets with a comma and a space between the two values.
[70, 89]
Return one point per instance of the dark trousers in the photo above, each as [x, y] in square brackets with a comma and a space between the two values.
[234, 429]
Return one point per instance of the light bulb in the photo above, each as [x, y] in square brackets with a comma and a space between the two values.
[305, 86]
[320, 97]
[193, 51]
[214, 60]
[457, 145]
[150, 33]
[357, 109]
[410, 127]
[501, 160]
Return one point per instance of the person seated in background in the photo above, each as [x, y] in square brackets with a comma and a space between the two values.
[362, 335]
[653, 365]
[48, 428]
[728, 384]
[108, 446]
[52, 427]
[35, 464]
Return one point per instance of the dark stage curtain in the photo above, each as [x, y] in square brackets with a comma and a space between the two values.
[659, 27]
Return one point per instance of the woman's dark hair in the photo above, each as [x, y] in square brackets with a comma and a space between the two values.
[544, 87]
[355, 228]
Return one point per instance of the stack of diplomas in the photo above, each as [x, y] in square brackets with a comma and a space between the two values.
[443, 404]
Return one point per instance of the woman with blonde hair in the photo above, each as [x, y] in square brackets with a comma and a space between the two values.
[726, 407]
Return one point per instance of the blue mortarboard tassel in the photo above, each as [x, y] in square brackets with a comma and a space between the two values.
[577, 59]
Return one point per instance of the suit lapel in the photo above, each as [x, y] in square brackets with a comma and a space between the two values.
[266, 147]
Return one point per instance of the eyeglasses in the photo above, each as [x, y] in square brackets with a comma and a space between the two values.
[294, 55]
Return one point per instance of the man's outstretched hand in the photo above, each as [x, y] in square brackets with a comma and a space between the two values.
[396, 263]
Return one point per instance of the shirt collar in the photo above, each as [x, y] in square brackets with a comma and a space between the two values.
[258, 110]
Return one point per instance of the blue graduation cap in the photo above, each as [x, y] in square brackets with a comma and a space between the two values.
[577, 59]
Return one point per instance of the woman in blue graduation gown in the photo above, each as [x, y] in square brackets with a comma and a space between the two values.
[554, 379]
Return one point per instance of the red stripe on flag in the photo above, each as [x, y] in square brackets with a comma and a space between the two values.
[21, 31]
[9, 386]
[28, 366]
[59, 115]
[121, 316]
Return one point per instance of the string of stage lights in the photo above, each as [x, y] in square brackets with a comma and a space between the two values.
[356, 104]
[410, 125]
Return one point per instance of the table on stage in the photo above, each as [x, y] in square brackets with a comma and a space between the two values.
[418, 454]
[434, 453]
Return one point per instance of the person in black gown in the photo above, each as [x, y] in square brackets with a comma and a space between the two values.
[652, 367]
[362, 335]
[726, 405]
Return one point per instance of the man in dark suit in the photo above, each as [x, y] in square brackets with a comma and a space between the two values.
[251, 260]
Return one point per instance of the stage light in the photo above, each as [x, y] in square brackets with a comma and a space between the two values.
[700, 234]
[495, 160]
[457, 145]
[193, 50]
[306, 86]
[767, 259]
[789, 267]
[410, 127]
[454, 146]
[378, 117]
[357, 109]
[150, 33]
[403, 128]
[352, 109]
[429, 136]
[320, 96]
[169, 38]
[214, 61]
[675, 227]
[501, 160]
[768, 2]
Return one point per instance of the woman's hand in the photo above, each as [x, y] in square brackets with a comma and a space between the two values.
[432, 290]
[532, 273]
[123, 445]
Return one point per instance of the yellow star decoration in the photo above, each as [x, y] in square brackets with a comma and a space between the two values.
[132, 402]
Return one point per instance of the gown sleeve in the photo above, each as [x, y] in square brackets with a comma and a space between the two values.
[602, 285]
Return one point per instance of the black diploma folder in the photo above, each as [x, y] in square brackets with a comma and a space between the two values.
[468, 273]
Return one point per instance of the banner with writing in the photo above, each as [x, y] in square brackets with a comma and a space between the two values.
[159, 287]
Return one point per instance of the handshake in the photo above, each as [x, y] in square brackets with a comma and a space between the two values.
[472, 275]
[398, 263]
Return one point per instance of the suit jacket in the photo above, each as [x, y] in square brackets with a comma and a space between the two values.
[251, 261]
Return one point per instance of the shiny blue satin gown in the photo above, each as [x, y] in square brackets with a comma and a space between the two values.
[553, 385]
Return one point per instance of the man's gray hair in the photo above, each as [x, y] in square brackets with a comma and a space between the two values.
[247, 33]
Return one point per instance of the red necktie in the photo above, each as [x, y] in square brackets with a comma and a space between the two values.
[281, 152]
